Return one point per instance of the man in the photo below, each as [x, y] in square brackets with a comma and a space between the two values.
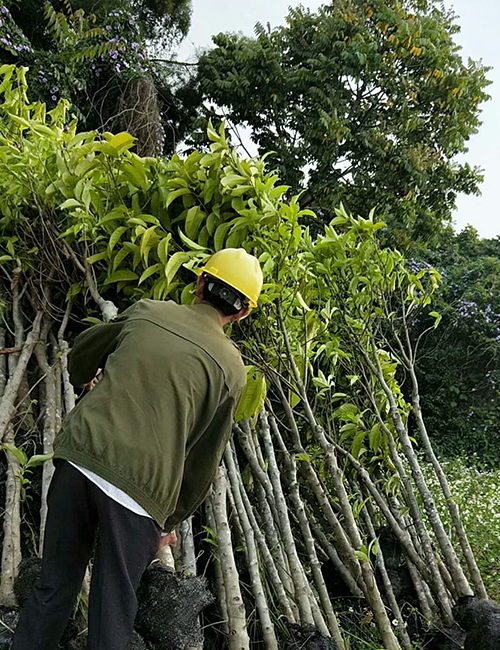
[139, 452]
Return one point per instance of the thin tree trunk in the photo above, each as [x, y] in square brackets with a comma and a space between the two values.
[315, 565]
[368, 515]
[219, 578]
[49, 423]
[373, 594]
[266, 554]
[68, 392]
[268, 633]
[11, 548]
[187, 546]
[304, 605]
[238, 635]
[270, 522]
[403, 536]
[453, 508]
[8, 402]
[333, 556]
[459, 578]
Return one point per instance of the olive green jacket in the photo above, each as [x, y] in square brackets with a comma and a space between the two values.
[157, 423]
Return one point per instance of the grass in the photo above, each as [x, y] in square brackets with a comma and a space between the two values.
[477, 493]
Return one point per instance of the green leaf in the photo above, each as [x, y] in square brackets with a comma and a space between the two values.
[122, 141]
[149, 272]
[123, 275]
[97, 257]
[189, 243]
[38, 459]
[175, 195]
[357, 443]
[437, 316]
[253, 396]
[220, 235]
[375, 437]
[115, 237]
[193, 221]
[70, 203]
[18, 453]
[162, 249]
[174, 264]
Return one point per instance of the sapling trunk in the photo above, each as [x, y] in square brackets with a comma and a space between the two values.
[333, 556]
[373, 594]
[49, 424]
[408, 356]
[11, 547]
[68, 392]
[238, 636]
[8, 402]
[187, 547]
[449, 555]
[258, 591]
[264, 548]
[303, 602]
[264, 491]
[452, 505]
[219, 579]
[368, 516]
[296, 500]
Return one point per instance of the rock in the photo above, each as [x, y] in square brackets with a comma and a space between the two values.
[471, 611]
[481, 620]
[169, 605]
[308, 637]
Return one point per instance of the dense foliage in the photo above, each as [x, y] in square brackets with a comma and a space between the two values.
[105, 63]
[367, 103]
[459, 362]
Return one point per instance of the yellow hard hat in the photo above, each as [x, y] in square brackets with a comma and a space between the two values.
[239, 270]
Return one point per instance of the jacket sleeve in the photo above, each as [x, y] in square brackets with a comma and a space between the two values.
[201, 465]
[91, 349]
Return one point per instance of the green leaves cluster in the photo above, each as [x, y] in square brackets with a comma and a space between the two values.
[371, 97]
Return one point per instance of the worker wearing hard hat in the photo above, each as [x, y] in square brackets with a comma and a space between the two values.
[139, 452]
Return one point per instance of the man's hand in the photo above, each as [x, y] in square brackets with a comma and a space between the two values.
[92, 384]
[168, 540]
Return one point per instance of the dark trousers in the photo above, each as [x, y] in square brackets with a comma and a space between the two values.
[81, 517]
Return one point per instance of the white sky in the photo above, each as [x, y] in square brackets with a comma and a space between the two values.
[479, 38]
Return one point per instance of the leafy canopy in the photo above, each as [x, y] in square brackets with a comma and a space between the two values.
[367, 102]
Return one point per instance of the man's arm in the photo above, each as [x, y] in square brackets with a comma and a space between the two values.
[91, 349]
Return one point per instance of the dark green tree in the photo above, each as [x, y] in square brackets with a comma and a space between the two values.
[366, 102]
[459, 365]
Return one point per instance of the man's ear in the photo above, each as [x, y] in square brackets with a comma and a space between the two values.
[243, 313]
[199, 287]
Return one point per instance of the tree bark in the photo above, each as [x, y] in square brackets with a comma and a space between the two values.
[7, 404]
[238, 636]
[270, 641]
[11, 548]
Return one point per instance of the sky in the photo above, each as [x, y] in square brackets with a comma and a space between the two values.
[479, 38]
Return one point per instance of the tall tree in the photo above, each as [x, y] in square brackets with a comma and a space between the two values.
[366, 102]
